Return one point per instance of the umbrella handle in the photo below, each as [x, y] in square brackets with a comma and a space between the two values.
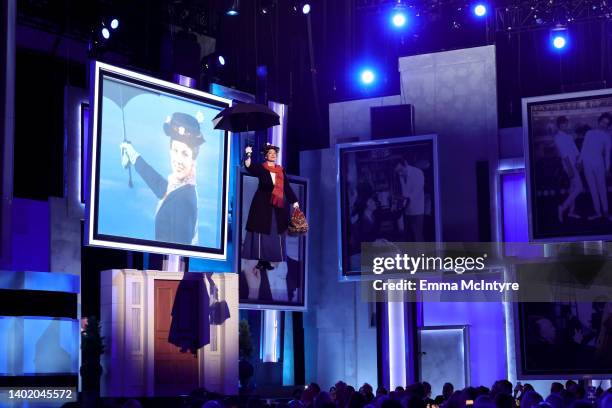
[130, 183]
[129, 166]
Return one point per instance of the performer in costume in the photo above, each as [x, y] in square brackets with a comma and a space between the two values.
[176, 217]
[268, 217]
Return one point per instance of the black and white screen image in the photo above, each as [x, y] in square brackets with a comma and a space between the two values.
[388, 193]
[570, 184]
[570, 338]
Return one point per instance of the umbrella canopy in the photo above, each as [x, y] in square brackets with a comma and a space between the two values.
[246, 117]
[121, 94]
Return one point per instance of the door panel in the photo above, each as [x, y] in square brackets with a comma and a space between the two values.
[175, 372]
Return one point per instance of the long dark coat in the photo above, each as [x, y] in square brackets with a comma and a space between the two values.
[178, 215]
[260, 212]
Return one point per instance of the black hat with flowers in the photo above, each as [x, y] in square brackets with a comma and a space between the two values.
[184, 128]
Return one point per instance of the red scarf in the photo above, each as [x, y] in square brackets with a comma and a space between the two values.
[278, 198]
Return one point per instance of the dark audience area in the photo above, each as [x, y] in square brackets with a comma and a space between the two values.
[502, 394]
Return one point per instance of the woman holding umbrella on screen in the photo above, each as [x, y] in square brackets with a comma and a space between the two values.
[176, 217]
[268, 218]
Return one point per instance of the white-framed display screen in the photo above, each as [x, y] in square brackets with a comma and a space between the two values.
[159, 170]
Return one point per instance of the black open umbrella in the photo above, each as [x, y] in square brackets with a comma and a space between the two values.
[246, 117]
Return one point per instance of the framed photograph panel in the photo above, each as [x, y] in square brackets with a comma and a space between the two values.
[387, 192]
[578, 331]
[567, 139]
[284, 286]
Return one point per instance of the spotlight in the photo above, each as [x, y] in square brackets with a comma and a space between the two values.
[559, 42]
[559, 38]
[233, 11]
[399, 15]
[266, 6]
[399, 19]
[105, 33]
[262, 71]
[480, 10]
[301, 6]
[213, 63]
[367, 76]
[114, 23]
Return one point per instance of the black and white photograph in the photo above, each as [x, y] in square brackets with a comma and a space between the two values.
[388, 192]
[581, 332]
[568, 140]
[279, 283]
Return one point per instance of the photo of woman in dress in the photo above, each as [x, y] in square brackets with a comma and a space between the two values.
[269, 212]
[176, 216]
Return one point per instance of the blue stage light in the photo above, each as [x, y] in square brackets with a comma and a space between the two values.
[306, 8]
[261, 71]
[105, 33]
[221, 60]
[367, 76]
[114, 23]
[480, 10]
[232, 12]
[559, 38]
[399, 19]
[559, 42]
